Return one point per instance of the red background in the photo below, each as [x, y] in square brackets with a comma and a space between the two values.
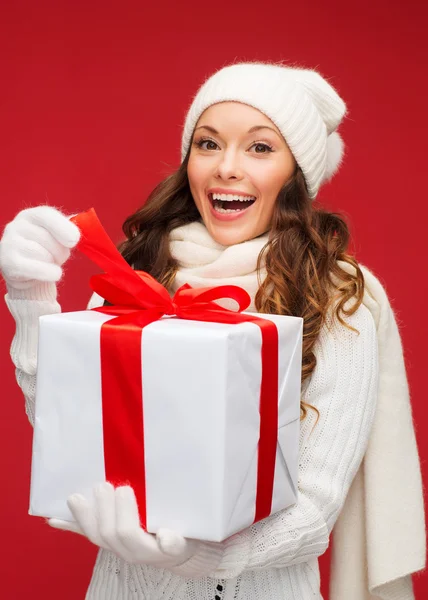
[92, 105]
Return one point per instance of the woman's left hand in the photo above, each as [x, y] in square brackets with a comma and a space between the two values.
[112, 522]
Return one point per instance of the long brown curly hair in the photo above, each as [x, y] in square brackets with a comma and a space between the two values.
[303, 277]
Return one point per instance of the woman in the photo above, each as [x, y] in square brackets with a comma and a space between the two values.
[259, 140]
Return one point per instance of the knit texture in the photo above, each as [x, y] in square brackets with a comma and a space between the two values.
[300, 102]
[34, 246]
[379, 540]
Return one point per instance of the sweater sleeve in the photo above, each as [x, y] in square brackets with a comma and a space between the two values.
[26, 306]
[343, 387]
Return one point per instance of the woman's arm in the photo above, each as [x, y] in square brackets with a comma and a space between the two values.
[343, 387]
[33, 248]
[26, 306]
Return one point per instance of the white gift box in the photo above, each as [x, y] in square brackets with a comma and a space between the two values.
[201, 392]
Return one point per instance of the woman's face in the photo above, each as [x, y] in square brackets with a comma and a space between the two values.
[236, 149]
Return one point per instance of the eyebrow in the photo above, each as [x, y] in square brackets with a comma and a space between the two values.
[255, 128]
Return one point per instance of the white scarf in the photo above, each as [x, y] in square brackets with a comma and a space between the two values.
[379, 539]
[205, 263]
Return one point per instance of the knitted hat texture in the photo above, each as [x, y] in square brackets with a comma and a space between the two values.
[300, 102]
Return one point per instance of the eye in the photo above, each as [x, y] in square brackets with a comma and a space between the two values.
[267, 147]
[202, 141]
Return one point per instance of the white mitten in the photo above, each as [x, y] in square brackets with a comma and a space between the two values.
[111, 521]
[34, 246]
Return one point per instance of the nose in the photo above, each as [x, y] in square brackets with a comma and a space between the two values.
[229, 166]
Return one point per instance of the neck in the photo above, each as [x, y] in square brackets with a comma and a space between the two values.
[203, 262]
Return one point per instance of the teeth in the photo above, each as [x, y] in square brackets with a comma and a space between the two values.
[230, 197]
[219, 209]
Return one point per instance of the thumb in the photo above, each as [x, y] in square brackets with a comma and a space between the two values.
[65, 525]
[171, 543]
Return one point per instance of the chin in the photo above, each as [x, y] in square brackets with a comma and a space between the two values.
[228, 236]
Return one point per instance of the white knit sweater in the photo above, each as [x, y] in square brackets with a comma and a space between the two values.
[277, 558]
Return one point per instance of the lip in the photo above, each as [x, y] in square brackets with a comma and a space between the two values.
[227, 216]
[225, 191]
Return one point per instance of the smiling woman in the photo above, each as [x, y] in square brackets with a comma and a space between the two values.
[258, 141]
[250, 168]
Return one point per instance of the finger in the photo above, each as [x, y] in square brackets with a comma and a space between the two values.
[84, 514]
[65, 525]
[62, 229]
[20, 268]
[32, 251]
[49, 248]
[127, 516]
[106, 513]
[171, 543]
[129, 530]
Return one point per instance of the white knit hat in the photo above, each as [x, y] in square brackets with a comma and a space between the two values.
[300, 102]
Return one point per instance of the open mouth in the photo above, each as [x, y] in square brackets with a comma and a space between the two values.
[231, 206]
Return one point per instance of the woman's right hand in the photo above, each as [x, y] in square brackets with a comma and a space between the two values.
[35, 245]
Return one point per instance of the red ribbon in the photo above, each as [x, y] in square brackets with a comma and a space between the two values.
[138, 299]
